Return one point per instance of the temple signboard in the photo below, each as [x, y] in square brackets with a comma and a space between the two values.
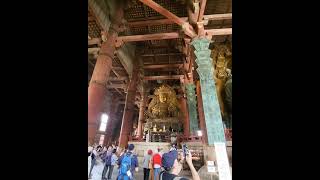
[222, 161]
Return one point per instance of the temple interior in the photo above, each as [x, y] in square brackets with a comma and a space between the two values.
[160, 73]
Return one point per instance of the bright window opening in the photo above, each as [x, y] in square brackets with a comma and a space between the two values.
[199, 133]
[103, 124]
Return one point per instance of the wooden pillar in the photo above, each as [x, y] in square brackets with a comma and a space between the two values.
[141, 114]
[126, 126]
[185, 116]
[111, 121]
[201, 114]
[97, 86]
[97, 90]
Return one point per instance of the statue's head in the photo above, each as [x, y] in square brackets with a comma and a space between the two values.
[162, 92]
[162, 97]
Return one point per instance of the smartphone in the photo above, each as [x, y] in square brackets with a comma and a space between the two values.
[185, 150]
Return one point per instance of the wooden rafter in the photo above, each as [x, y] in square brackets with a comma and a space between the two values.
[121, 86]
[218, 32]
[158, 66]
[212, 17]
[94, 41]
[118, 68]
[154, 78]
[122, 78]
[171, 35]
[185, 26]
[166, 54]
[202, 8]
[153, 5]
[146, 37]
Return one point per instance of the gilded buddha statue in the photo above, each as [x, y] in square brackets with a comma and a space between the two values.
[164, 104]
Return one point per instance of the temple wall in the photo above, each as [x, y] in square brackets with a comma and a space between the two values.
[141, 148]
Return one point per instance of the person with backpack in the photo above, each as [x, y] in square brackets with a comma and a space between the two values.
[128, 163]
[156, 159]
[172, 166]
[94, 155]
[147, 165]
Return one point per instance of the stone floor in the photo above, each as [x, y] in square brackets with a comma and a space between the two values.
[98, 168]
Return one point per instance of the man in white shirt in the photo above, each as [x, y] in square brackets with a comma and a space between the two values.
[94, 156]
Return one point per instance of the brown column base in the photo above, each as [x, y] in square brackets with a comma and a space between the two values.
[95, 102]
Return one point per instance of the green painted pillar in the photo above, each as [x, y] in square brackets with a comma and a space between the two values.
[192, 107]
[215, 130]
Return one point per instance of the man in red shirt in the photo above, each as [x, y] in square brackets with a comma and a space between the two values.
[156, 159]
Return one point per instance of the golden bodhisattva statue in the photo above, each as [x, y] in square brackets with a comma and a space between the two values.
[164, 104]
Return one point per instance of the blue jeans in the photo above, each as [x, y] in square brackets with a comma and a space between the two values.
[156, 172]
[93, 162]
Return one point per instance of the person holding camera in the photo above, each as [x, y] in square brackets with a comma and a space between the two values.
[172, 163]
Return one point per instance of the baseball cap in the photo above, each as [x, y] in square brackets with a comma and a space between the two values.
[169, 158]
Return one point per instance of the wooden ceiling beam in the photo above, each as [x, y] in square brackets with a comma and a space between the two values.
[118, 68]
[154, 78]
[217, 17]
[212, 17]
[121, 86]
[188, 30]
[172, 17]
[94, 41]
[166, 54]
[153, 22]
[202, 8]
[117, 78]
[146, 37]
[171, 35]
[218, 32]
[158, 66]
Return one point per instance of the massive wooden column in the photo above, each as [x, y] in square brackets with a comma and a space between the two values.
[201, 114]
[111, 120]
[185, 116]
[192, 107]
[141, 113]
[215, 130]
[126, 126]
[97, 86]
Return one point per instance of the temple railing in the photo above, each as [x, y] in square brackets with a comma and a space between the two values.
[182, 138]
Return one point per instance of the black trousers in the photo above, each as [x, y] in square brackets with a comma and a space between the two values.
[146, 173]
[108, 168]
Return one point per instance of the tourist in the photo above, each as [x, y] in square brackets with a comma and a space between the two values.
[156, 159]
[128, 163]
[111, 161]
[94, 155]
[172, 166]
[147, 136]
[90, 148]
[107, 161]
[147, 164]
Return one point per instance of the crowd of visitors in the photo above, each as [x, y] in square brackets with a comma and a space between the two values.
[156, 165]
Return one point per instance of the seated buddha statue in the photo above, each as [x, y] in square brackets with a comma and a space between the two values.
[164, 104]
